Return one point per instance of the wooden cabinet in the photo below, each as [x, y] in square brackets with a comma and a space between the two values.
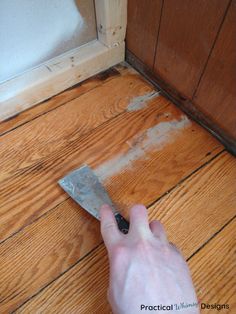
[216, 94]
[142, 28]
[187, 32]
[188, 49]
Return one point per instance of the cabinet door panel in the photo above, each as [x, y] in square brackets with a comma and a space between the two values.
[216, 95]
[187, 32]
[142, 29]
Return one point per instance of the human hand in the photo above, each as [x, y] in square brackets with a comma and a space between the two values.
[145, 269]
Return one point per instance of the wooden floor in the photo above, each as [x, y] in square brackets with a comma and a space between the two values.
[144, 150]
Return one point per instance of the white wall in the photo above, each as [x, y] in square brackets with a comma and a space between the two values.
[33, 31]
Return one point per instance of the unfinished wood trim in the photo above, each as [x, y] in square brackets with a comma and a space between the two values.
[111, 21]
[50, 78]
[54, 76]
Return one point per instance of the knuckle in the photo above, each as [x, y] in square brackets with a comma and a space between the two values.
[143, 245]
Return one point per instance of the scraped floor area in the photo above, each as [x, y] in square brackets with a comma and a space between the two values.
[144, 150]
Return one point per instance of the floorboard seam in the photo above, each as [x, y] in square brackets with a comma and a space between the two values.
[32, 222]
[56, 278]
[212, 237]
[187, 177]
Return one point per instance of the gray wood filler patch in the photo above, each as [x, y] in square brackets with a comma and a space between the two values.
[141, 102]
[154, 138]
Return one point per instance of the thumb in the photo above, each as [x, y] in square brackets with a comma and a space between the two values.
[109, 228]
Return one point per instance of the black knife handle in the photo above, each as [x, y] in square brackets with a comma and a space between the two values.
[123, 224]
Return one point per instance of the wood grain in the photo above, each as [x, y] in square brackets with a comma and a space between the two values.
[43, 250]
[214, 270]
[41, 137]
[186, 37]
[192, 214]
[60, 99]
[200, 205]
[83, 289]
[142, 28]
[36, 155]
[49, 151]
[216, 95]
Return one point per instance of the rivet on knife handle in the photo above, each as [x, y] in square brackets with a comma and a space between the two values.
[123, 224]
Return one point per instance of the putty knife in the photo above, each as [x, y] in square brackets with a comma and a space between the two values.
[84, 187]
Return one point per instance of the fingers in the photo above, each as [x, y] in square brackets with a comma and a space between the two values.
[138, 225]
[139, 220]
[174, 247]
[109, 228]
[158, 230]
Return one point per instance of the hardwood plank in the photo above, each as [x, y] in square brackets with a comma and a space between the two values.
[83, 289]
[186, 37]
[43, 250]
[191, 213]
[60, 99]
[45, 134]
[191, 196]
[142, 28]
[214, 270]
[200, 205]
[27, 240]
[122, 145]
[25, 153]
[216, 95]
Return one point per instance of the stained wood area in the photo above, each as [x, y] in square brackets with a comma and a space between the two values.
[142, 29]
[186, 36]
[144, 150]
[218, 83]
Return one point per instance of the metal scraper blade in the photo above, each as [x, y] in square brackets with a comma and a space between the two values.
[84, 187]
